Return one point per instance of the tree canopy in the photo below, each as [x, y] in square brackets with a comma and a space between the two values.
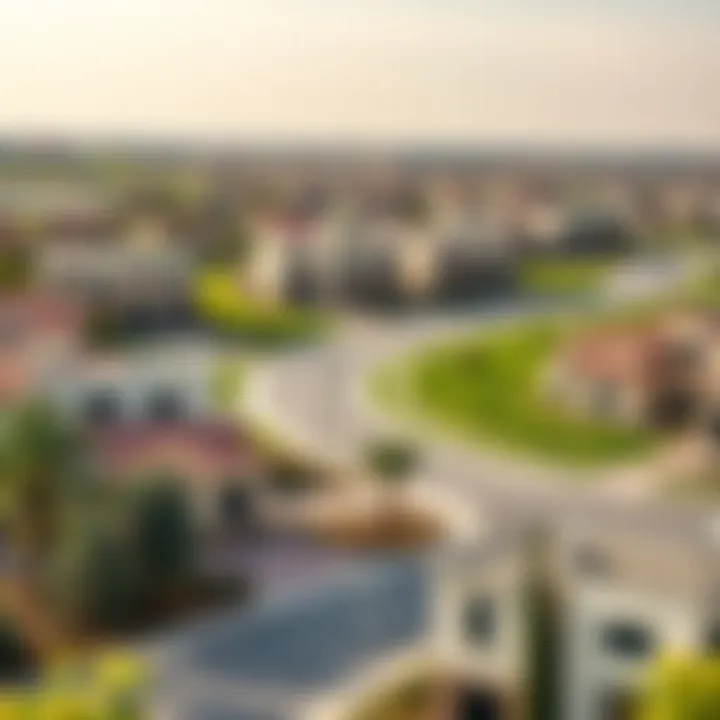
[391, 460]
[682, 687]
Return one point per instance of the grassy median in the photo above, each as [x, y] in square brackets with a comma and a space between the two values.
[489, 388]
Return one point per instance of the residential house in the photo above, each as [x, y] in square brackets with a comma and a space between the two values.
[479, 625]
[60, 209]
[381, 263]
[144, 284]
[665, 372]
[151, 386]
[625, 601]
[156, 414]
[596, 232]
[39, 334]
[216, 462]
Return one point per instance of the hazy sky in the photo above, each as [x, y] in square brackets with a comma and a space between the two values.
[535, 71]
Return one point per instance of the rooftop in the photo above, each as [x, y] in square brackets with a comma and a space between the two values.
[213, 452]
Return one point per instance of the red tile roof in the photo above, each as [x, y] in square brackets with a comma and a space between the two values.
[618, 354]
[40, 312]
[25, 320]
[200, 451]
[630, 353]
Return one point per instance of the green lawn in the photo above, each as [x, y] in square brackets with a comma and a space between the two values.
[227, 382]
[565, 276]
[224, 305]
[406, 700]
[489, 388]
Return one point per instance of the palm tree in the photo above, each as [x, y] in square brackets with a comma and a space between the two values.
[39, 458]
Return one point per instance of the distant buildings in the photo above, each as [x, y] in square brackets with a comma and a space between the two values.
[54, 209]
[144, 284]
[386, 264]
[39, 334]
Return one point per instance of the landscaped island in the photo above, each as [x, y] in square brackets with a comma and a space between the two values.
[597, 390]
[489, 387]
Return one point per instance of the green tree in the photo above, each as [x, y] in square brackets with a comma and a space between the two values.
[543, 631]
[94, 580]
[682, 687]
[39, 461]
[163, 534]
[390, 460]
[16, 657]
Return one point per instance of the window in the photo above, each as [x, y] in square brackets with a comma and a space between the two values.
[236, 505]
[628, 639]
[712, 638]
[479, 620]
[164, 406]
[101, 408]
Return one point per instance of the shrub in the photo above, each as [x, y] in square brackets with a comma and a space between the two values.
[16, 657]
[162, 532]
[94, 579]
[390, 459]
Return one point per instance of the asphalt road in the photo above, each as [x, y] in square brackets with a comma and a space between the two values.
[273, 662]
[315, 397]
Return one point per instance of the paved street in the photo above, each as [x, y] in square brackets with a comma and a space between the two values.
[308, 641]
[315, 397]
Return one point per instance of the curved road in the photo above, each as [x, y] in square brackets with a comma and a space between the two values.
[314, 397]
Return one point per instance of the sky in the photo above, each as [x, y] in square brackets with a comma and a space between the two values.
[580, 72]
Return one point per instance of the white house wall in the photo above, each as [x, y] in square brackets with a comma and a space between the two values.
[590, 670]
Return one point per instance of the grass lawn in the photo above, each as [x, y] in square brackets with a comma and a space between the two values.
[488, 388]
[417, 698]
[224, 306]
[565, 276]
[228, 382]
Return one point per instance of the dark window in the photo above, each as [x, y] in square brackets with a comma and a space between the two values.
[165, 406]
[674, 407]
[479, 619]
[629, 639]
[712, 639]
[479, 705]
[102, 408]
[236, 505]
